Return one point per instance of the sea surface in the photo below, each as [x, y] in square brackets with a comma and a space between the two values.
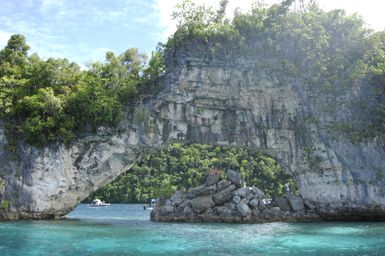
[126, 229]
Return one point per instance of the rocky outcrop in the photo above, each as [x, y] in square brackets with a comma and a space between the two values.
[231, 203]
[237, 101]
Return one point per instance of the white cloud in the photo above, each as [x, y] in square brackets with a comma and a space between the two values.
[4, 36]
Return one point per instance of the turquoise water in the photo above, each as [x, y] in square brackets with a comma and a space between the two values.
[126, 230]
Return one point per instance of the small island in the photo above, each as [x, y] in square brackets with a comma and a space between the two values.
[228, 200]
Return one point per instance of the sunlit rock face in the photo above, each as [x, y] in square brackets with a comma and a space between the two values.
[220, 103]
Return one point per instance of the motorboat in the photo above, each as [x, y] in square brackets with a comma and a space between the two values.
[97, 203]
[151, 205]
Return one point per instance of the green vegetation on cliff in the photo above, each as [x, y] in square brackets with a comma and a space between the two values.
[45, 101]
[182, 167]
[330, 52]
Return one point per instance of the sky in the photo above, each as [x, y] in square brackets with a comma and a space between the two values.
[84, 30]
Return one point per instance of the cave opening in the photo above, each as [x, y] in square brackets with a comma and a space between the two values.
[180, 167]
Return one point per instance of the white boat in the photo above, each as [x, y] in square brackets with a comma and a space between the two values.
[97, 203]
[151, 205]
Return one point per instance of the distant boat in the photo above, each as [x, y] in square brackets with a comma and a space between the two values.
[97, 203]
[151, 205]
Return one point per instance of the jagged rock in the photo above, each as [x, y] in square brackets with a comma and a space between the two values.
[235, 177]
[201, 203]
[166, 209]
[254, 203]
[219, 209]
[283, 204]
[209, 211]
[257, 192]
[230, 205]
[275, 209]
[227, 212]
[187, 211]
[178, 198]
[224, 195]
[296, 203]
[168, 203]
[236, 199]
[201, 191]
[255, 212]
[261, 205]
[308, 204]
[243, 208]
[223, 184]
[241, 192]
[211, 179]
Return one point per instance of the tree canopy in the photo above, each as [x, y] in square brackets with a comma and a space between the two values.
[53, 100]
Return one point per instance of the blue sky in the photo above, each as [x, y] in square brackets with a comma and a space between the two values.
[84, 30]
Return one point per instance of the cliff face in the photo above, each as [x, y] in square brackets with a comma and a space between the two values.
[202, 101]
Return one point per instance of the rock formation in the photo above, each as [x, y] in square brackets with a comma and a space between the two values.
[228, 201]
[237, 102]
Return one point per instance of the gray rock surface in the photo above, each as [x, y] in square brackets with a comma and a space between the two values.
[201, 203]
[296, 203]
[211, 179]
[201, 191]
[206, 99]
[235, 177]
[224, 206]
[242, 192]
[283, 204]
[223, 184]
[243, 208]
[224, 195]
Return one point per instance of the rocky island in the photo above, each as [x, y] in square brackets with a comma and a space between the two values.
[228, 200]
[311, 98]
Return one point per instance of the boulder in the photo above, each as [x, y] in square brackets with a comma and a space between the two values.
[243, 208]
[261, 205]
[230, 205]
[224, 195]
[296, 203]
[178, 198]
[166, 209]
[223, 184]
[241, 192]
[219, 209]
[227, 212]
[187, 211]
[168, 203]
[257, 192]
[275, 209]
[236, 199]
[283, 204]
[250, 196]
[235, 177]
[201, 203]
[211, 179]
[255, 212]
[201, 191]
[254, 203]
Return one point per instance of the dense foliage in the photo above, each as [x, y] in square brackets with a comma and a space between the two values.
[182, 167]
[45, 101]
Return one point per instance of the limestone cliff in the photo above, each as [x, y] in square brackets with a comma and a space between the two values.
[238, 103]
